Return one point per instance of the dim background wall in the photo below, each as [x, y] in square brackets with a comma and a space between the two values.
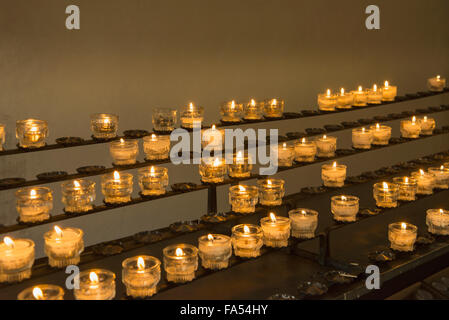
[133, 55]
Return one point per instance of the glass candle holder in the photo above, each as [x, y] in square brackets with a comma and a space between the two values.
[141, 275]
[386, 194]
[441, 177]
[164, 119]
[271, 192]
[381, 134]
[212, 170]
[374, 95]
[42, 292]
[437, 221]
[104, 125]
[215, 251]
[410, 128]
[305, 151]
[402, 236]
[344, 100]
[95, 284]
[286, 154]
[231, 111]
[63, 246]
[78, 195]
[425, 182]
[2, 136]
[190, 115]
[247, 239]
[213, 138]
[345, 208]
[243, 198]
[117, 187]
[153, 181]
[240, 167]
[327, 101]
[326, 146]
[436, 84]
[360, 97]
[124, 152]
[273, 108]
[362, 138]
[31, 133]
[34, 204]
[427, 126]
[253, 110]
[156, 147]
[276, 231]
[180, 262]
[389, 92]
[333, 175]
[303, 223]
[407, 188]
[16, 259]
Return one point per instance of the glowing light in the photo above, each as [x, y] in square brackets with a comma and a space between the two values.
[403, 226]
[324, 137]
[122, 141]
[253, 102]
[377, 126]
[334, 165]
[272, 217]
[76, 184]
[33, 194]
[217, 162]
[213, 127]
[344, 198]
[284, 146]
[342, 91]
[438, 77]
[242, 188]
[414, 119]
[116, 175]
[179, 252]
[328, 92]
[93, 277]
[421, 172]
[274, 102]
[385, 185]
[38, 294]
[360, 89]
[425, 118]
[363, 129]
[245, 229]
[58, 231]
[303, 140]
[153, 137]
[375, 87]
[191, 107]
[210, 237]
[386, 84]
[8, 242]
[269, 183]
[140, 263]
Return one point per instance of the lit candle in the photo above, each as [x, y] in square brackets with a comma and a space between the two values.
[247, 239]
[214, 251]
[427, 125]
[271, 192]
[191, 114]
[441, 177]
[286, 154]
[276, 231]
[156, 147]
[95, 284]
[381, 134]
[63, 246]
[141, 275]
[333, 175]
[104, 125]
[386, 194]
[345, 208]
[153, 181]
[241, 166]
[374, 95]
[31, 133]
[305, 151]
[16, 259]
[362, 138]
[407, 188]
[326, 146]
[212, 138]
[116, 187]
[164, 119]
[42, 292]
[124, 152]
[78, 195]
[389, 92]
[360, 97]
[402, 236]
[2, 136]
[410, 128]
[243, 198]
[252, 110]
[304, 222]
[34, 204]
[212, 170]
[273, 108]
[437, 221]
[344, 100]
[327, 101]
[231, 112]
[180, 262]
[424, 180]
[436, 84]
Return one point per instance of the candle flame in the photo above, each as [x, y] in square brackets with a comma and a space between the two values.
[363, 129]
[8, 242]
[334, 164]
[438, 77]
[33, 129]
[303, 140]
[245, 229]
[377, 126]
[414, 119]
[106, 120]
[386, 84]
[344, 198]
[328, 92]
[213, 127]
[303, 212]
[441, 211]
[232, 104]
[76, 184]
[360, 89]
[140, 263]
[284, 145]
[324, 137]
[152, 170]
[216, 162]
[421, 172]
[33, 193]
[37, 293]
[239, 156]
[210, 237]
[406, 179]
[122, 141]
[242, 188]
[58, 231]
[442, 168]
[116, 175]
[385, 185]
[179, 252]
[274, 102]
[191, 106]
[272, 217]
[403, 226]
[153, 137]
[269, 182]
[342, 91]
[253, 102]
[93, 277]
[425, 118]
[375, 87]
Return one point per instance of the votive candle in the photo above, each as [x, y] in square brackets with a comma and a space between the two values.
[402, 236]
[327, 101]
[424, 181]
[407, 188]
[305, 151]
[243, 198]
[140, 275]
[212, 170]
[436, 84]
[42, 292]
[104, 125]
[124, 152]
[247, 239]
[191, 115]
[273, 108]
[95, 284]
[386, 194]
[333, 175]
[180, 262]
[34, 204]
[362, 138]
[117, 187]
[276, 230]
[231, 111]
[344, 100]
[156, 147]
[345, 208]
[381, 134]
[427, 125]
[303, 222]
[16, 259]
[441, 177]
[240, 167]
[78, 195]
[153, 181]
[63, 246]
[410, 128]
[271, 191]
[360, 97]
[326, 146]
[389, 92]
[214, 251]
[374, 95]
[31, 133]
[437, 221]
[252, 110]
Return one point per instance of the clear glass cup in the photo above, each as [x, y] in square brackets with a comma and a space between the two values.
[140, 275]
[180, 262]
[31, 133]
[42, 292]
[78, 195]
[273, 108]
[153, 181]
[124, 152]
[214, 251]
[104, 125]
[117, 188]
[164, 119]
[34, 204]
[95, 284]
[247, 239]
[243, 198]
[304, 222]
[271, 191]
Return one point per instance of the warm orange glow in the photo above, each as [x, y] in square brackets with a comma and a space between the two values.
[245, 229]
[210, 237]
[425, 118]
[324, 137]
[406, 179]
[328, 92]
[342, 91]
[122, 141]
[217, 162]
[8, 241]
[334, 165]
[116, 175]
[253, 102]
[93, 277]
[140, 263]
[441, 211]
[363, 129]
[375, 87]
[403, 226]
[414, 119]
[152, 170]
[274, 102]
[421, 172]
[272, 217]
[344, 198]
[284, 145]
[76, 184]
[360, 89]
[33, 129]
[153, 137]
[213, 127]
[442, 168]
[33, 193]
[385, 185]
[191, 106]
[269, 183]
[37, 293]
[58, 231]
[377, 126]
[438, 77]
[232, 104]
[106, 120]
[386, 84]
[179, 252]
[303, 212]
[303, 140]
[242, 188]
